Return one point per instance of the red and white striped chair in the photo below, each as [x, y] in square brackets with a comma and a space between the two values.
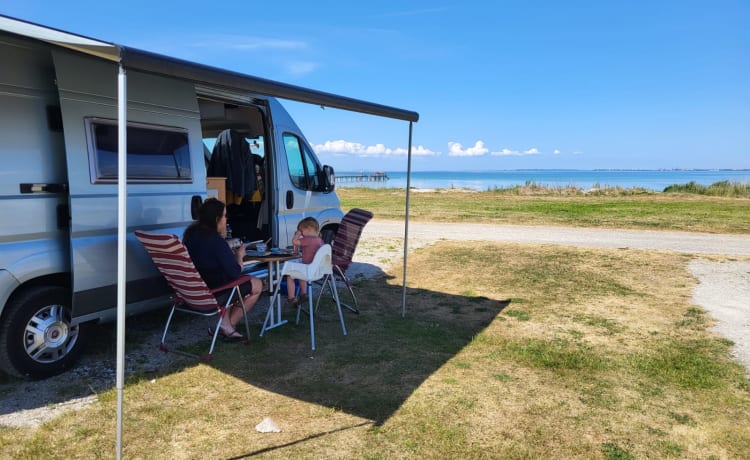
[191, 294]
[343, 246]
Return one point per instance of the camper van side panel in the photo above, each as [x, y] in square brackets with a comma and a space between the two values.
[88, 97]
[33, 239]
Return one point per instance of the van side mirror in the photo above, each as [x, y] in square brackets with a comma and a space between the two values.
[329, 179]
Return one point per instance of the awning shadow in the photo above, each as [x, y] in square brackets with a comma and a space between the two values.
[368, 373]
[378, 365]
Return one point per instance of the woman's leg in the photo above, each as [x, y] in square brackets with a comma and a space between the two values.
[235, 314]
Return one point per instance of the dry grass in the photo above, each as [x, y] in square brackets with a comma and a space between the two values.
[507, 351]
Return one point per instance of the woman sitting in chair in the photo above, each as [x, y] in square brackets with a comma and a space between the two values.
[217, 263]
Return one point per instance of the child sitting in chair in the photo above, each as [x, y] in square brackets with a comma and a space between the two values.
[307, 241]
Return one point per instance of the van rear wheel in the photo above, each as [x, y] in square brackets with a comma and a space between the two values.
[37, 338]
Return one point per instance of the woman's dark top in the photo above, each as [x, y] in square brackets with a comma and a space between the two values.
[212, 257]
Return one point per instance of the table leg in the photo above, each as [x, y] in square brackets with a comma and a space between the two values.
[273, 317]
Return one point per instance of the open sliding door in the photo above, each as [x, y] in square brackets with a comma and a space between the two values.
[163, 175]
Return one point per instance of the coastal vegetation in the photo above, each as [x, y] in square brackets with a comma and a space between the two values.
[712, 211]
[723, 188]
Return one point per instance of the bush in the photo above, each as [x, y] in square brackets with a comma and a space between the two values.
[721, 188]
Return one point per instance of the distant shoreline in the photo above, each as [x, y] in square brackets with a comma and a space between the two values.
[475, 171]
[649, 179]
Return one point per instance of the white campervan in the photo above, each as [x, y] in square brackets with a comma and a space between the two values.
[192, 131]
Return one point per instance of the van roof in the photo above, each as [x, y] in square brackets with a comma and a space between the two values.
[145, 61]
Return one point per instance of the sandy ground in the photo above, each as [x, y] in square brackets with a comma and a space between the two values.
[723, 290]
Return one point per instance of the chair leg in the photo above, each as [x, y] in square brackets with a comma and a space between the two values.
[163, 344]
[323, 285]
[335, 292]
[213, 340]
[310, 313]
[355, 308]
[244, 311]
[348, 285]
[269, 313]
[312, 317]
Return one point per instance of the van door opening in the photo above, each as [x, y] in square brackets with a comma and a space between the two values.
[234, 139]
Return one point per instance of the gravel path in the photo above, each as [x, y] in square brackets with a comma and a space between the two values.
[693, 243]
[723, 290]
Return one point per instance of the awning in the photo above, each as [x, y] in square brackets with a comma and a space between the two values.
[145, 61]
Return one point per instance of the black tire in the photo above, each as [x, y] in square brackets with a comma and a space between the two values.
[327, 234]
[36, 336]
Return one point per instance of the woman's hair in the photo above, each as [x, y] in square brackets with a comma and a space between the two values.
[309, 222]
[209, 214]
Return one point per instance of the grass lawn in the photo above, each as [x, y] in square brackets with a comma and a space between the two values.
[507, 351]
[621, 209]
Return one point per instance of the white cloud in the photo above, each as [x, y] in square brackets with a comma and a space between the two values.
[506, 152]
[556, 152]
[243, 43]
[342, 147]
[455, 149]
[418, 150]
[509, 152]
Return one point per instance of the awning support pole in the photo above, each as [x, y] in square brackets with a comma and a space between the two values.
[406, 219]
[122, 201]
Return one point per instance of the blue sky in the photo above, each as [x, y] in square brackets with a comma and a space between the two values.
[498, 85]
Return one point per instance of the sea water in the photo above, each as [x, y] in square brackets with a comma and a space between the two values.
[656, 180]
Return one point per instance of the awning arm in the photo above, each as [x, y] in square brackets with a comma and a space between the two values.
[406, 219]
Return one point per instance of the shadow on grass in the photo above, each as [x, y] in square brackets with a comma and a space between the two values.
[368, 373]
[378, 365]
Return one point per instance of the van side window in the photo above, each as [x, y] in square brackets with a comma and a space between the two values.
[304, 169]
[155, 153]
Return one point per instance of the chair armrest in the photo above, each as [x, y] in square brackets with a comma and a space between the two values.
[242, 279]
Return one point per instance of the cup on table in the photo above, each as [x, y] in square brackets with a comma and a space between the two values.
[261, 247]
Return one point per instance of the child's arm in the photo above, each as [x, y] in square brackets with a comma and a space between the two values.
[296, 239]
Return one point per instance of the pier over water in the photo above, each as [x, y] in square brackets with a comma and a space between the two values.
[377, 176]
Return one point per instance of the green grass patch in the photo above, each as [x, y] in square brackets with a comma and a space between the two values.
[695, 364]
[713, 213]
[520, 315]
[556, 354]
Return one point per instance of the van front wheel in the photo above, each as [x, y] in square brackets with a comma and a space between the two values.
[37, 338]
[328, 234]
